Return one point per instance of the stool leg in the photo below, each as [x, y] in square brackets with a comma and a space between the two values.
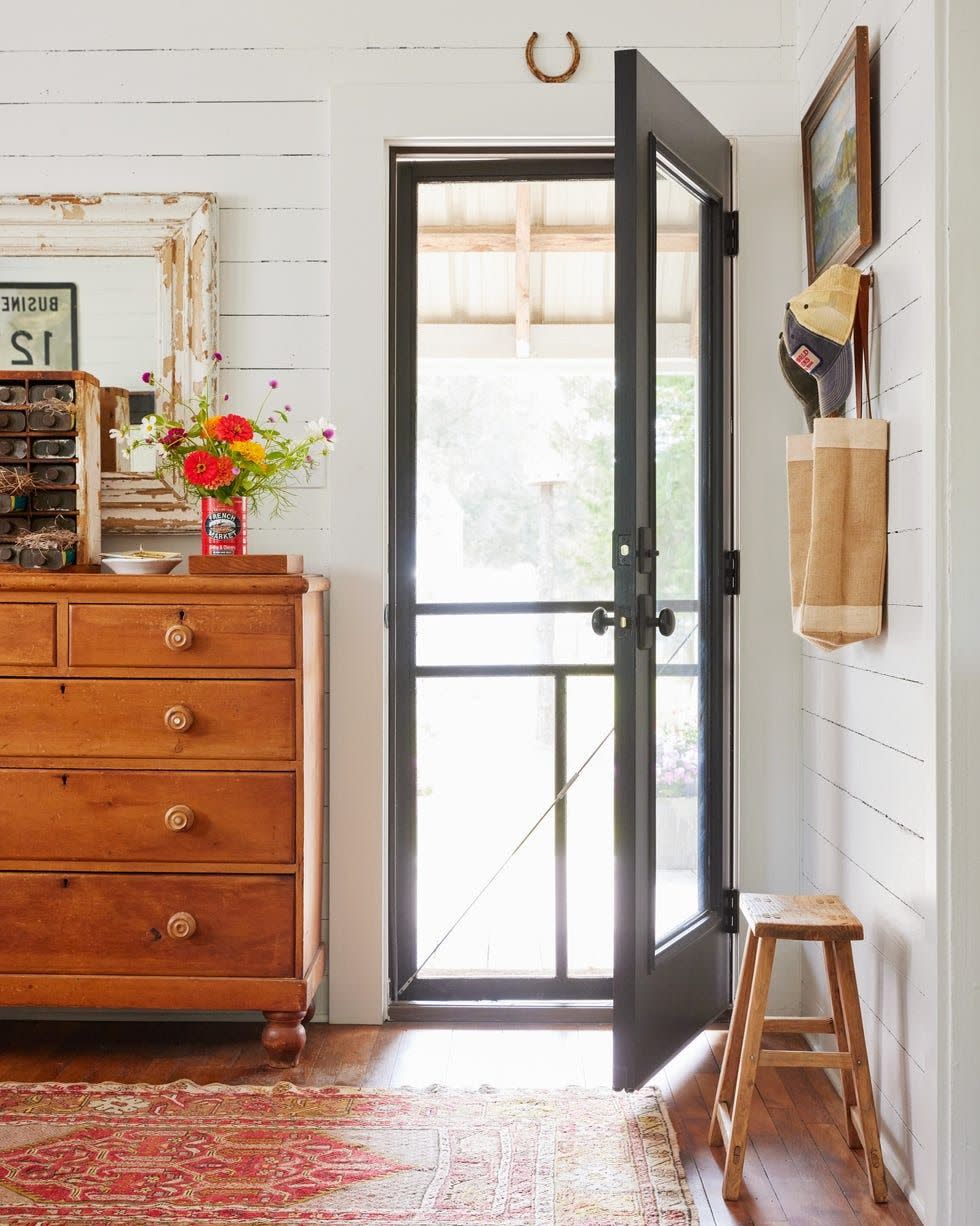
[840, 1030]
[747, 1067]
[736, 1033]
[851, 1005]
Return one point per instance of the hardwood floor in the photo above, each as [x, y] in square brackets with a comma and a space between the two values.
[799, 1171]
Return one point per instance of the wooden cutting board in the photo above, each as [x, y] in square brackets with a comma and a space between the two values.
[248, 564]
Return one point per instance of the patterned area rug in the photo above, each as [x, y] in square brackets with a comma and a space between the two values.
[186, 1155]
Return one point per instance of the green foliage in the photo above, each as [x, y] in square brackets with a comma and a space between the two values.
[534, 475]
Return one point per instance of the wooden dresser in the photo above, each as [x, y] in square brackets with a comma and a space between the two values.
[161, 795]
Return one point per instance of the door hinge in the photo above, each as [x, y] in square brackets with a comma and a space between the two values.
[733, 572]
[729, 911]
[731, 232]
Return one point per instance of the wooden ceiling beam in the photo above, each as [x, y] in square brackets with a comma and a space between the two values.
[543, 238]
[522, 271]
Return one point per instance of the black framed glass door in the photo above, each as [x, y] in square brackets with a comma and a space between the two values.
[673, 944]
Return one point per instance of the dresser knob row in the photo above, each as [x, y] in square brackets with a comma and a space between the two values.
[181, 926]
[178, 818]
[178, 637]
[178, 718]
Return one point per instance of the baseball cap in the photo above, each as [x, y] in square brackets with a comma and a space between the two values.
[827, 306]
[828, 364]
[816, 336]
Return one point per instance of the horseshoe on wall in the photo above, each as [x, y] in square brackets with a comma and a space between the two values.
[543, 76]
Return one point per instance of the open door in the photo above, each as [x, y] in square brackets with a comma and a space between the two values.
[673, 571]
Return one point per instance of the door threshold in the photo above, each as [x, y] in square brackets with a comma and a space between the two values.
[502, 1012]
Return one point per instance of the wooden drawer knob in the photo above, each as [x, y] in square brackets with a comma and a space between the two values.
[178, 818]
[178, 637]
[181, 926]
[179, 718]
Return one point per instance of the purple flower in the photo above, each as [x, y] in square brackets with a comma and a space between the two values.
[226, 396]
[329, 433]
[287, 408]
[273, 383]
[147, 376]
[235, 471]
[216, 356]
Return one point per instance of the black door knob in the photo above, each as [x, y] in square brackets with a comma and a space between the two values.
[666, 622]
[601, 620]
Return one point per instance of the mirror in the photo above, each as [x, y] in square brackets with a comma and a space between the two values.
[114, 285]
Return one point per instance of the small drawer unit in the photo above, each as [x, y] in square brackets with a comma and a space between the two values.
[161, 794]
[50, 431]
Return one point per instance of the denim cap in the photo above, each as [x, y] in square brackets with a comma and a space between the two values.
[803, 385]
[827, 362]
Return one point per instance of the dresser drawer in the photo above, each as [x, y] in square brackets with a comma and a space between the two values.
[184, 721]
[27, 635]
[192, 636]
[146, 924]
[149, 816]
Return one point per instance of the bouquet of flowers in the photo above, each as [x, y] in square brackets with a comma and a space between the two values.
[223, 455]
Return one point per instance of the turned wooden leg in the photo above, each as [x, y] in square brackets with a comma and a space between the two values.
[840, 1030]
[283, 1038]
[736, 1032]
[851, 1005]
[747, 1067]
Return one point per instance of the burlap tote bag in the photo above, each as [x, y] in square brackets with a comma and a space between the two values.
[838, 502]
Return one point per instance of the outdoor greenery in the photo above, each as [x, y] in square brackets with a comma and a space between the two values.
[531, 472]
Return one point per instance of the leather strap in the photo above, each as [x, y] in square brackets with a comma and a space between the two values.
[862, 346]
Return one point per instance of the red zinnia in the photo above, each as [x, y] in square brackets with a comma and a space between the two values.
[233, 429]
[201, 468]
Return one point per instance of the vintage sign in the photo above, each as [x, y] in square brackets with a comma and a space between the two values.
[39, 326]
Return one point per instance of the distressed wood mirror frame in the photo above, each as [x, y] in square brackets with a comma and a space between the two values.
[181, 232]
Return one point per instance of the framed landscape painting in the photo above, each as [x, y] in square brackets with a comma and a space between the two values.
[837, 161]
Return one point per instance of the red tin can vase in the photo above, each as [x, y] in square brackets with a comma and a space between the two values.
[224, 528]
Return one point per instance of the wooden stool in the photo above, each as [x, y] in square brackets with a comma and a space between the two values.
[795, 917]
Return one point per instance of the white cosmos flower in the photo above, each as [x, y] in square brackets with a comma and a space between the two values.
[316, 427]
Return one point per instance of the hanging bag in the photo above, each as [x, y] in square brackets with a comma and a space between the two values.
[843, 583]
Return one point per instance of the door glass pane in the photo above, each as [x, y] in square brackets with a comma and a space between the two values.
[514, 464]
[510, 638]
[681, 866]
[485, 773]
[589, 826]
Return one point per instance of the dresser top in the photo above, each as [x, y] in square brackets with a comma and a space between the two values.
[59, 582]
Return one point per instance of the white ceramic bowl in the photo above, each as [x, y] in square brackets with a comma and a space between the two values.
[126, 564]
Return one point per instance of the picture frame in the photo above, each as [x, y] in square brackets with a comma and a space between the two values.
[837, 165]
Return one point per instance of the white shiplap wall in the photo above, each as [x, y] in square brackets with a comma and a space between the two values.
[235, 99]
[869, 795]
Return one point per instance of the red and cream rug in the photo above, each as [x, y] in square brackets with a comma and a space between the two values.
[186, 1155]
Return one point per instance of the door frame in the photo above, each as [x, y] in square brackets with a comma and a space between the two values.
[365, 121]
[410, 167]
